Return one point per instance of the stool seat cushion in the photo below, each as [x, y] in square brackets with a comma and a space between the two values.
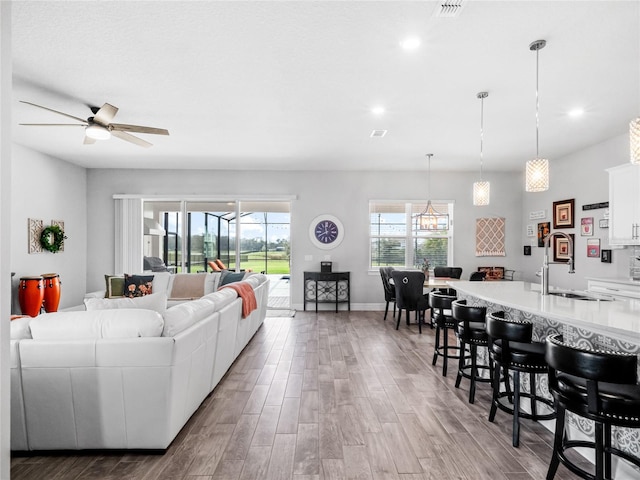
[616, 399]
[530, 354]
[476, 331]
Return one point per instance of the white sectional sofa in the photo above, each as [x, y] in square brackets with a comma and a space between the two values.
[123, 378]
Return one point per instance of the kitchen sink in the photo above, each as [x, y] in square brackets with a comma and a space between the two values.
[580, 296]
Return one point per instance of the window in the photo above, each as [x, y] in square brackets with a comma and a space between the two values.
[396, 238]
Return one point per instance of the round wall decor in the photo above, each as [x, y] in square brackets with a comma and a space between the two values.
[326, 231]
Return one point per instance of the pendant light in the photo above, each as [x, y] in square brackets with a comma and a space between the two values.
[634, 141]
[537, 170]
[481, 189]
[430, 218]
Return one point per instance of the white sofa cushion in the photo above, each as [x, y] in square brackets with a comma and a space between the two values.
[155, 301]
[120, 323]
[183, 315]
[20, 328]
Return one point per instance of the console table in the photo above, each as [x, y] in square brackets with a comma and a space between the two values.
[327, 287]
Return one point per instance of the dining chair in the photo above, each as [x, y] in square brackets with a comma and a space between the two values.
[389, 290]
[409, 295]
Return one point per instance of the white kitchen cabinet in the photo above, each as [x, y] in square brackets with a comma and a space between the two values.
[624, 205]
[615, 287]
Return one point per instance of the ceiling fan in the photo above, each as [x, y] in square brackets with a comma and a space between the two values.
[99, 127]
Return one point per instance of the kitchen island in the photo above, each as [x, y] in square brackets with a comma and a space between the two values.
[605, 324]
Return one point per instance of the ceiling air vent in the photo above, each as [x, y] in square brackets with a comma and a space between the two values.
[449, 9]
[378, 133]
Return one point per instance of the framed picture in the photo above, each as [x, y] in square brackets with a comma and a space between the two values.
[544, 229]
[593, 247]
[604, 223]
[527, 250]
[605, 256]
[563, 213]
[561, 248]
[530, 230]
[586, 226]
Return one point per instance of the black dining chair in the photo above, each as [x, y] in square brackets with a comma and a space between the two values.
[600, 386]
[477, 276]
[389, 290]
[451, 272]
[512, 350]
[409, 296]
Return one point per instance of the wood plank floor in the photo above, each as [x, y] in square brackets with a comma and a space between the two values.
[328, 396]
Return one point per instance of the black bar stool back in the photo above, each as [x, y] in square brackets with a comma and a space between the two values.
[512, 350]
[440, 304]
[601, 386]
[472, 333]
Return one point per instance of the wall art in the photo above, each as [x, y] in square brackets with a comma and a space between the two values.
[593, 247]
[561, 248]
[563, 213]
[544, 229]
[586, 226]
[605, 256]
[35, 228]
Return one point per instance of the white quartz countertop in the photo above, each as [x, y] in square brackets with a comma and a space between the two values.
[623, 281]
[618, 318]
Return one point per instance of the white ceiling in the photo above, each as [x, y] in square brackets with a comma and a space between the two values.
[290, 84]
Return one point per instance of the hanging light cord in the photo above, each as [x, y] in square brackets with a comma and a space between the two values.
[429, 155]
[481, 130]
[537, 102]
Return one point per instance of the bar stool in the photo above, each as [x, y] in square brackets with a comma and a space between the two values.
[511, 349]
[472, 332]
[440, 304]
[601, 386]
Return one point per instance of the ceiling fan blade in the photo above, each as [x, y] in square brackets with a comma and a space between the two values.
[105, 114]
[123, 127]
[53, 125]
[89, 140]
[130, 138]
[84, 121]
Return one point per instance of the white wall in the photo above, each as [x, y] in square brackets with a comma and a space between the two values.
[581, 176]
[5, 247]
[48, 189]
[344, 194]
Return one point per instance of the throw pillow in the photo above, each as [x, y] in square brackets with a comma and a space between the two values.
[137, 285]
[230, 277]
[115, 286]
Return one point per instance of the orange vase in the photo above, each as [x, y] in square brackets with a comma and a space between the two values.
[31, 295]
[51, 291]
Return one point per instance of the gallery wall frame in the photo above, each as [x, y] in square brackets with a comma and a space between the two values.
[561, 248]
[563, 213]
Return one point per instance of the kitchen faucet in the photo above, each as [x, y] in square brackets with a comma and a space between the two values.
[546, 262]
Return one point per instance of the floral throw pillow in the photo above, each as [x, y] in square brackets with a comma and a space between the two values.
[138, 285]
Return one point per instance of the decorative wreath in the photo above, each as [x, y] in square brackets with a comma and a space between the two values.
[51, 238]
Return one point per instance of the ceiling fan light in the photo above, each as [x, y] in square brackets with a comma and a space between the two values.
[97, 132]
[481, 193]
[634, 141]
[537, 175]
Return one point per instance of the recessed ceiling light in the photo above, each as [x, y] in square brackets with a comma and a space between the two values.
[410, 43]
[576, 112]
[377, 110]
[378, 133]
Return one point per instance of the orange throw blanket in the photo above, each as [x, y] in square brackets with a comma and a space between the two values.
[245, 292]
